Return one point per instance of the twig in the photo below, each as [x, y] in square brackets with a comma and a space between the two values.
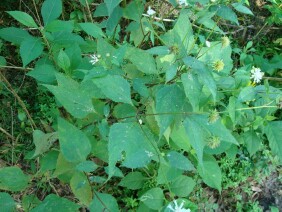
[33, 125]
[273, 79]
[15, 67]
[6, 133]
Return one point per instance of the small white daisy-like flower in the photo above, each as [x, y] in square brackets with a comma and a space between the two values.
[94, 59]
[140, 121]
[256, 75]
[149, 154]
[177, 208]
[150, 11]
[208, 44]
[213, 1]
[183, 3]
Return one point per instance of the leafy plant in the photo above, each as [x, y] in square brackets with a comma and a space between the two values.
[144, 104]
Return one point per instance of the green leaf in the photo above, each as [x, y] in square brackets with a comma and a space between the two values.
[43, 141]
[247, 94]
[86, 166]
[103, 202]
[63, 61]
[3, 61]
[44, 73]
[169, 100]
[7, 203]
[192, 89]
[142, 60]
[158, 50]
[170, 73]
[92, 29]
[225, 12]
[154, 198]
[203, 73]
[182, 186]
[211, 173]
[196, 135]
[30, 201]
[252, 141]
[14, 35]
[49, 161]
[273, 131]
[167, 173]
[59, 25]
[64, 167]
[111, 5]
[134, 181]
[30, 49]
[242, 9]
[75, 98]
[13, 179]
[55, 203]
[134, 10]
[74, 144]
[179, 161]
[23, 18]
[114, 87]
[81, 188]
[51, 10]
[122, 138]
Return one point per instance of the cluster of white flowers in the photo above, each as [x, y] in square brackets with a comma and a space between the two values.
[94, 59]
[256, 74]
[177, 208]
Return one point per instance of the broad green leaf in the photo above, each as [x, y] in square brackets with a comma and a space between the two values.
[122, 138]
[49, 161]
[170, 73]
[81, 188]
[159, 50]
[196, 135]
[167, 173]
[86, 166]
[247, 94]
[226, 13]
[7, 203]
[142, 60]
[242, 9]
[134, 181]
[154, 198]
[55, 203]
[203, 73]
[51, 10]
[43, 141]
[179, 161]
[182, 186]
[192, 89]
[66, 39]
[23, 18]
[180, 139]
[13, 179]
[113, 20]
[111, 5]
[30, 201]
[14, 35]
[63, 61]
[92, 29]
[252, 141]
[64, 167]
[103, 202]
[169, 101]
[44, 73]
[59, 25]
[211, 173]
[75, 145]
[114, 87]
[75, 98]
[3, 61]
[273, 131]
[134, 10]
[30, 49]
[74, 54]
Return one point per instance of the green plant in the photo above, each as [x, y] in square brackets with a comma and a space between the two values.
[141, 103]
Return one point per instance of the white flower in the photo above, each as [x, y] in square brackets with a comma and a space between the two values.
[256, 74]
[183, 2]
[140, 121]
[213, 1]
[149, 154]
[94, 59]
[178, 208]
[150, 11]
[208, 44]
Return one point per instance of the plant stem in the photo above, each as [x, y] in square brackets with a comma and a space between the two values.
[33, 125]
[6, 133]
